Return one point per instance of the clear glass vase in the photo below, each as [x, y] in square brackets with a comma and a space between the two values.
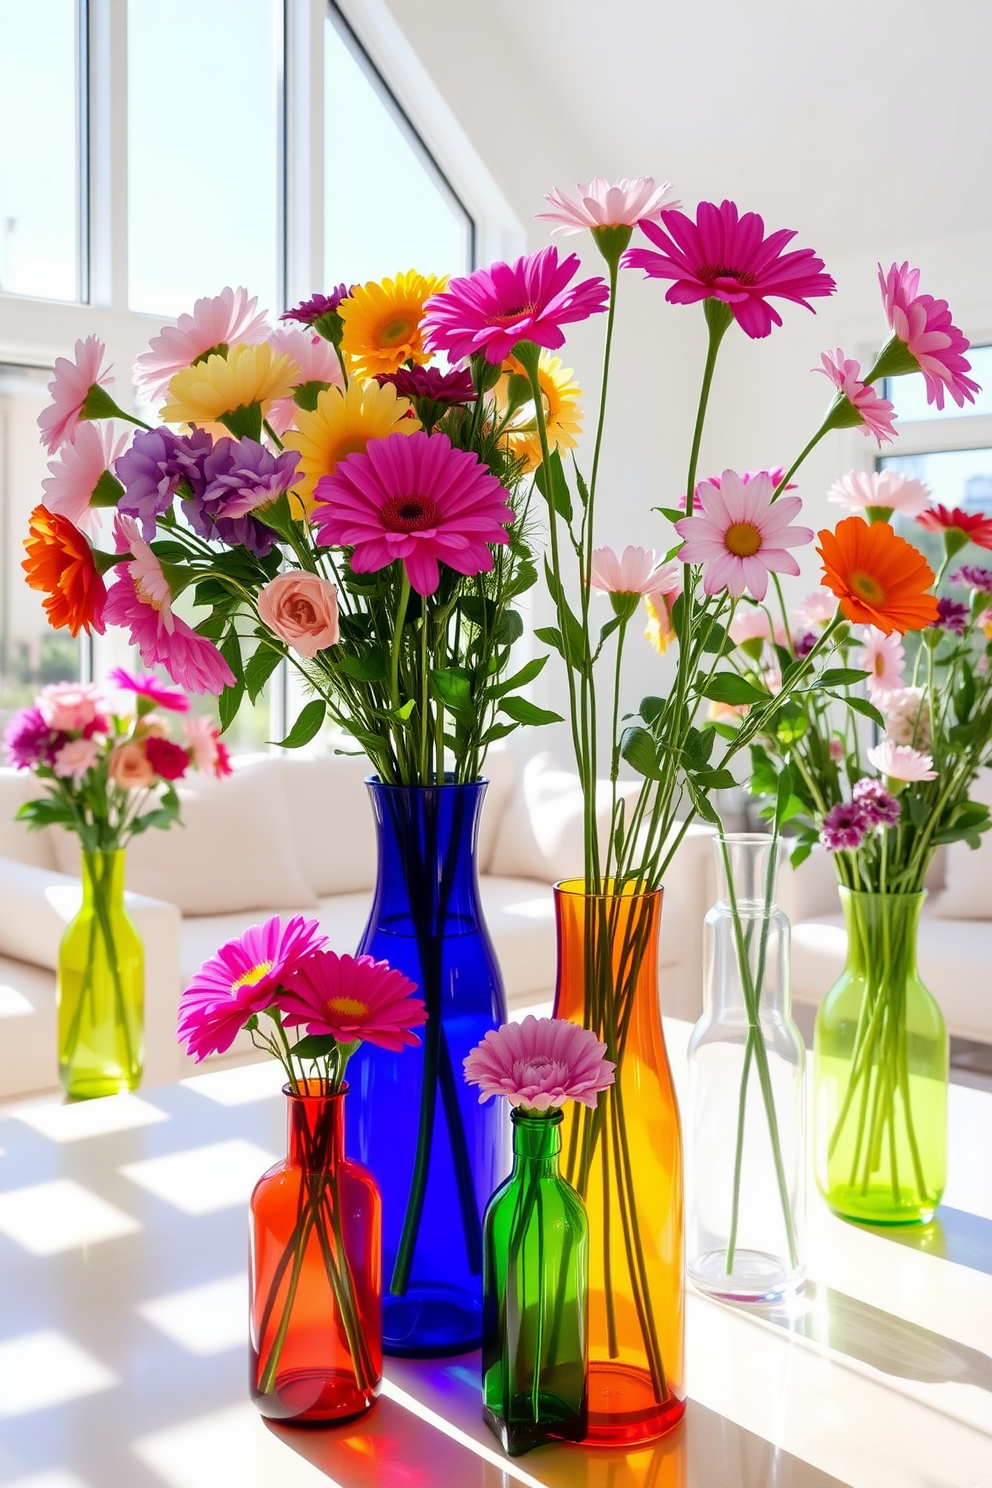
[101, 987]
[881, 1063]
[746, 1115]
[535, 1309]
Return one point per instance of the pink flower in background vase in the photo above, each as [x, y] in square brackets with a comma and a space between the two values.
[29, 741]
[633, 573]
[540, 1063]
[242, 978]
[353, 997]
[750, 624]
[625, 203]
[876, 805]
[206, 748]
[216, 324]
[130, 768]
[725, 256]
[844, 828]
[973, 577]
[488, 312]
[876, 415]
[169, 761]
[149, 686]
[836, 749]
[882, 658]
[907, 716]
[302, 610]
[879, 493]
[72, 705]
[417, 500]
[81, 472]
[75, 758]
[70, 388]
[817, 608]
[924, 327]
[741, 536]
[317, 367]
[901, 763]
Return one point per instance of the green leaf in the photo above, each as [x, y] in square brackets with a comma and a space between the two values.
[364, 666]
[163, 818]
[509, 628]
[307, 725]
[315, 1046]
[44, 813]
[673, 513]
[498, 731]
[559, 493]
[801, 851]
[651, 709]
[640, 751]
[453, 688]
[578, 651]
[580, 483]
[840, 677]
[259, 668]
[550, 635]
[716, 640]
[866, 709]
[526, 674]
[715, 779]
[404, 711]
[523, 711]
[728, 687]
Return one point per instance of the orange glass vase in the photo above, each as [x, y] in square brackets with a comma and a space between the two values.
[315, 1274]
[625, 1159]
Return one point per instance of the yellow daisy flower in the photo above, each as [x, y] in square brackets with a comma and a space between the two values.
[220, 385]
[382, 322]
[342, 424]
[562, 413]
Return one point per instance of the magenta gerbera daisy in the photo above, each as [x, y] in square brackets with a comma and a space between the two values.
[540, 1063]
[727, 257]
[415, 498]
[240, 979]
[353, 997]
[741, 535]
[148, 686]
[216, 324]
[926, 333]
[71, 388]
[863, 405]
[489, 311]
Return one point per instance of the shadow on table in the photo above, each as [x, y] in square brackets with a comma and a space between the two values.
[952, 1234]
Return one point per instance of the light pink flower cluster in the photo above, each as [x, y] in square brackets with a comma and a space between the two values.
[540, 1063]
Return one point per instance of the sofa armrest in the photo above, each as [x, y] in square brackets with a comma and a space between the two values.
[810, 890]
[690, 889]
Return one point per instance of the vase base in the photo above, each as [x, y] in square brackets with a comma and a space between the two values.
[312, 1397]
[758, 1276]
[624, 1409]
[878, 1205]
[94, 1087]
[518, 1432]
[430, 1321]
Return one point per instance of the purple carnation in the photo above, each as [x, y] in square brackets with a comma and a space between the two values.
[154, 469]
[877, 806]
[30, 741]
[238, 476]
[844, 828]
[805, 643]
[952, 615]
[974, 578]
[309, 312]
[429, 382]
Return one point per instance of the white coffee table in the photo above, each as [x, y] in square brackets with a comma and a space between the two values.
[122, 1331]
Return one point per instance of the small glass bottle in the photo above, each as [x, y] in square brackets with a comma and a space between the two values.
[535, 1306]
[746, 1115]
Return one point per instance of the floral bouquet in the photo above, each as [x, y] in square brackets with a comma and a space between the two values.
[316, 1332]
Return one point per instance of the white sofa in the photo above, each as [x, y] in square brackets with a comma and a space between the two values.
[288, 833]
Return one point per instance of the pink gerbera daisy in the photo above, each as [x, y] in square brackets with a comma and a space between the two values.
[141, 601]
[750, 628]
[959, 527]
[315, 365]
[600, 204]
[240, 979]
[489, 311]
[901, 762]
[633, 573]
[727, 257]
[927, 335]
[148, 686]
[215, 325]
[353, 997]
[879, 493]
[206, 748]
[817, 608]
[70, 388]
[414, 498]
[882, 658]
[82, 473]
[540, 1063]
[875, 415]
[741, 536]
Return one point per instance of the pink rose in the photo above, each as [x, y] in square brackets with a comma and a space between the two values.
[70, 705]
[302, 610]
[75, 758]
[129, 767]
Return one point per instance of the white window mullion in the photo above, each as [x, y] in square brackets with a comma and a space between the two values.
[304, 148]
[108, 153]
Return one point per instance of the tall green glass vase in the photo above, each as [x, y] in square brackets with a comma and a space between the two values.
[101, 987]
[881, 1070]
[535, 1301]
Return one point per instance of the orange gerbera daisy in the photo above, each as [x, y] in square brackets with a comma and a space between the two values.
[879, 578]
[60, 562]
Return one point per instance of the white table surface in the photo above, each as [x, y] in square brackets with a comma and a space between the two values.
[123, 1360]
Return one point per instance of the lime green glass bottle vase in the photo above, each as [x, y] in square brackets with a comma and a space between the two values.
[880, 1058]
[535, 1296]
[101, 987]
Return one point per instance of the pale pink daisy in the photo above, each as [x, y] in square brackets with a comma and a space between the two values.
[741, 536]
[205, 747]
[750, 624]
[83, 471]
[216, 324]
[924, 327]
[633, 573]
[907, 716]
[882, 658]
[315, 367]
[875, 415]
[900, 762]
[817, 608]
[600, 204]
[879, 493]
[75, 758]
[540, 1063]
[70, 388]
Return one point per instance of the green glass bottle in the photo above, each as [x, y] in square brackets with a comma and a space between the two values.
[535, 1296]
[101, 987]
[881, 1070]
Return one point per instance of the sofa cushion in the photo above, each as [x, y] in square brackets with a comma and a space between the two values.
[234, 850]
[331, 822]
[967, 893]
[36, 848]
[540, 832]
[28, 1033]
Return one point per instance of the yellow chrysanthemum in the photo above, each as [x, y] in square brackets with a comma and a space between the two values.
[562, 413]
[342, 424]
[220, 385]
[659, 627]
[382, 322]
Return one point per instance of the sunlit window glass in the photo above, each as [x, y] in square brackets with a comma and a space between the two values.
[40, 194]
[203, 150]
[386, 209]
[909, 394]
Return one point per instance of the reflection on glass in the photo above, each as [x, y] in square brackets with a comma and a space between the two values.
[39, 149]
[31, 652]
[385, 207]
[203, 133]
[960, 478]
[909, 394]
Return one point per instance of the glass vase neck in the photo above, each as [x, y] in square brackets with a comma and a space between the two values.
[747, 865]
[881, 925]
[315, 1126]
[103, 873]
[536, 1138]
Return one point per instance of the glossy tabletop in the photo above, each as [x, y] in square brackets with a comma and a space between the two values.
[123, 1303]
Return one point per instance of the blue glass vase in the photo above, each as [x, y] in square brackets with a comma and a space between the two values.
[436, 1153]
